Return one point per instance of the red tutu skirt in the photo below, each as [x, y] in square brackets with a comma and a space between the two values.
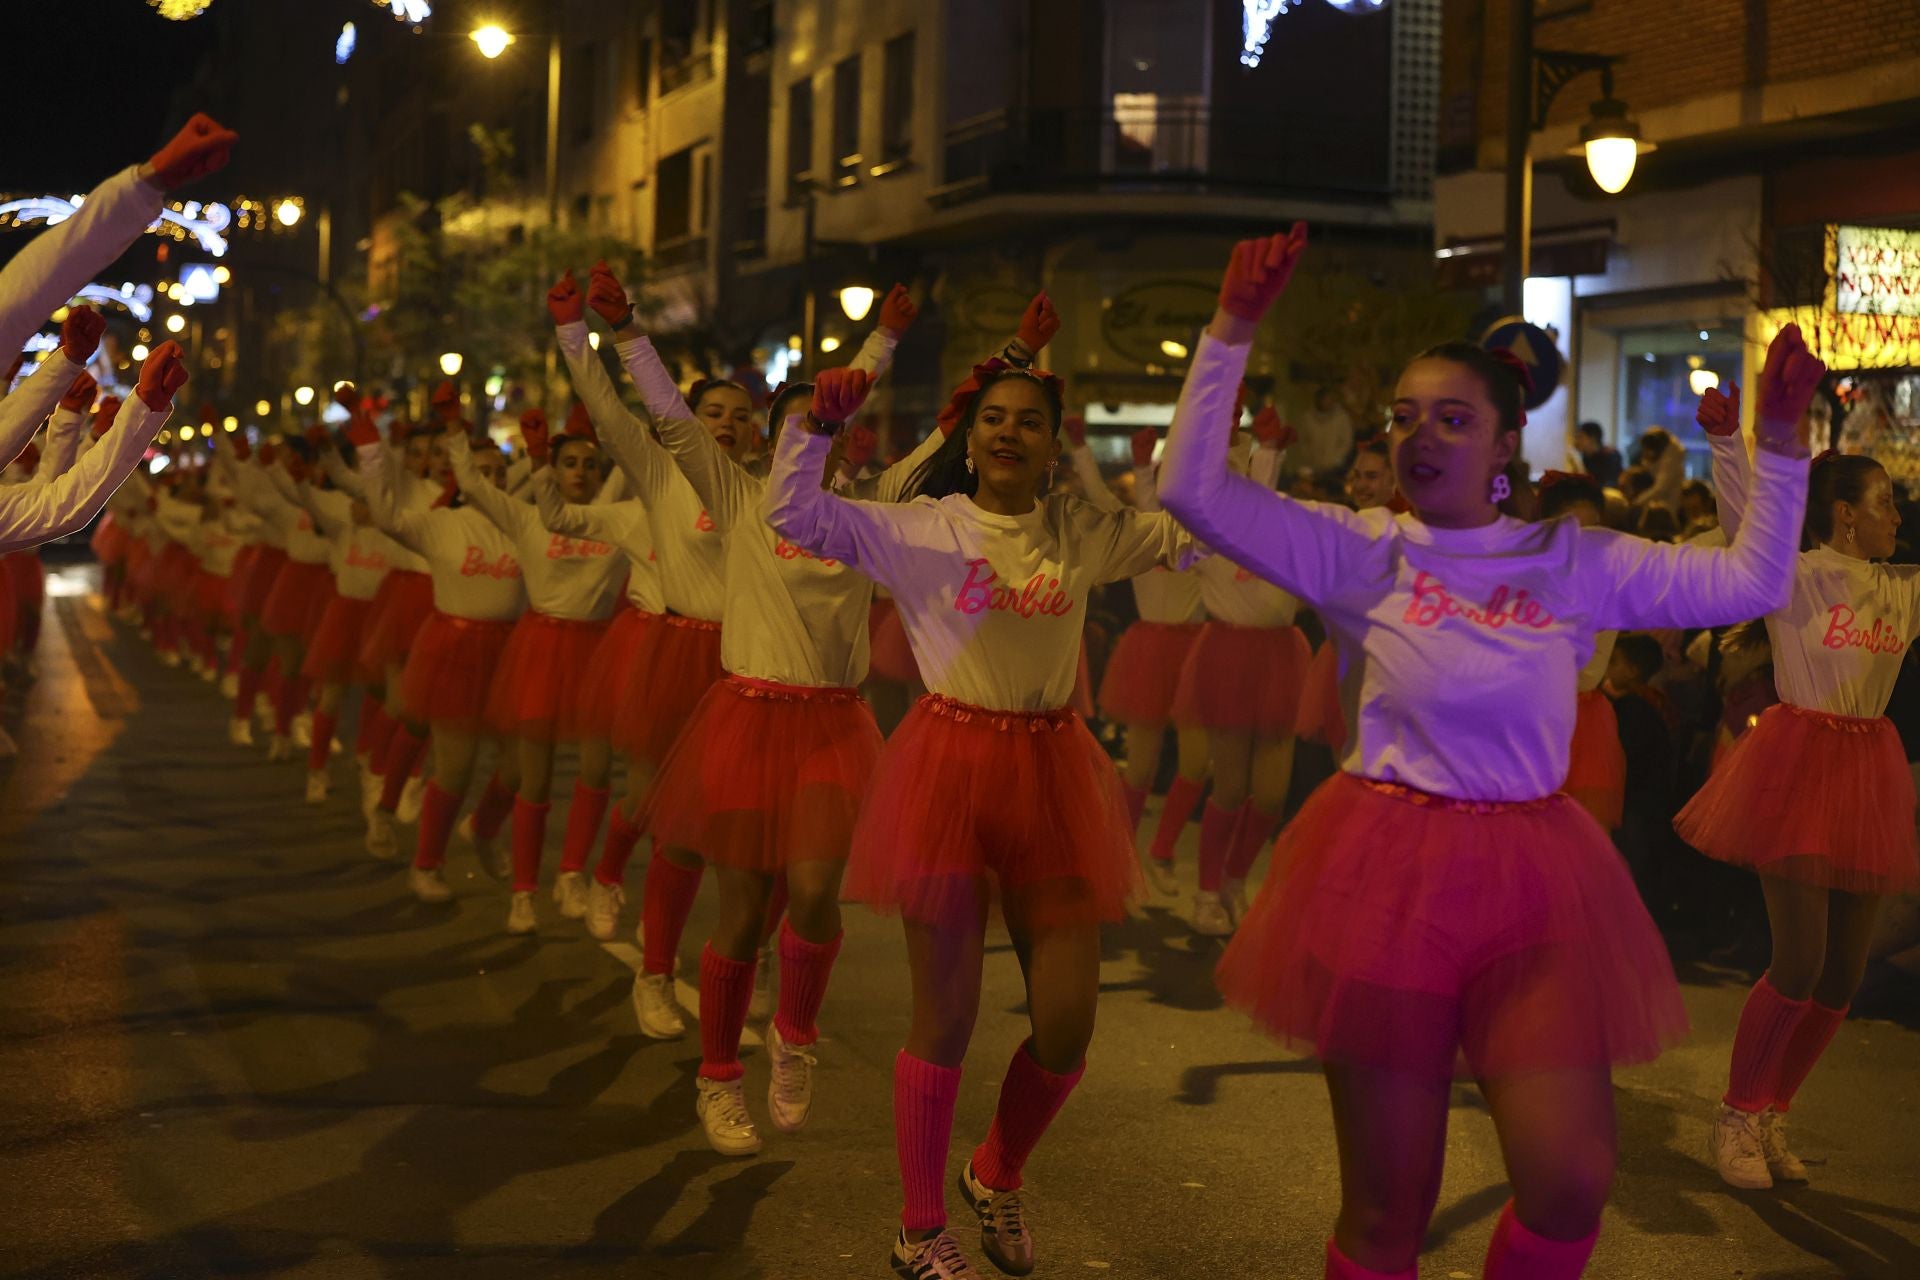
[677, 662]
[9, 622]
[28, 578]
[1144, 672]
[969, 804]
[766, 774]
[536, 690]
[401, 606]
[109, 541]
[607, 671]
[140, 563]
[450, 671]
[262, 574]
[1402, 930]
[1821, 799]
[1597, 765]
[1322, 719]
[890, 656]
[212, 597]
[173, 577]
[333, 655]
[1243, 680]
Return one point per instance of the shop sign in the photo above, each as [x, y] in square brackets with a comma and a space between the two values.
[993, 308]
[1142, 323]
[1876, 271]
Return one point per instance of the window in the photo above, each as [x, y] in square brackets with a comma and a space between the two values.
[758, 34]
[846, 121]
[673, 199]
[799, 136]
[679, 29]
[702, 185]
[580, 83]
[896, 101]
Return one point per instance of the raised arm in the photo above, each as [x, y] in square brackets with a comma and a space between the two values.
[22, 412]
[624, 435]
[1719, 416]
[726, 490]
[64, 432]
[1126, 543]
[592, 521]
[508, 513]
[866, 535]
[1085, 468]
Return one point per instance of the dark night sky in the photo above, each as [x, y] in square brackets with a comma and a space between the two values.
[90, 86]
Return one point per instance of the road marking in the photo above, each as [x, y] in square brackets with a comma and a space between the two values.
[688, 995]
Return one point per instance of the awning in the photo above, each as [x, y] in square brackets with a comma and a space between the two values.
[1562, 251]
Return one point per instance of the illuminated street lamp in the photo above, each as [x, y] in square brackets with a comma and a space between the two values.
[856, 300]
[261, 408]
[176, 322]
[492, 38]
[230, 422]
[303, 396]
[288, 212]
[139, 351]
[451, 362]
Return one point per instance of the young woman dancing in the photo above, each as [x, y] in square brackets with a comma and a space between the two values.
[992, 786]
[1437, 899]
[478, 594]
[1816, 797]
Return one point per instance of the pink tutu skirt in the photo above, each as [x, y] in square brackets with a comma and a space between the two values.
[450, 671]
[1404, 931]
[109, 541]
[890, 655]
[298, 591]
[766, 774]
[677, 661]
[401, 606]
[1816, 798]
[608, 669]
[1144, 672]
[1321, 718]
[968, 804]
[260, 577]
[1597, 763]
[536, 691]
[333, 655]
[1243, 680]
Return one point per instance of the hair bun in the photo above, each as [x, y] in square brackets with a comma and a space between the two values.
[1514, 365]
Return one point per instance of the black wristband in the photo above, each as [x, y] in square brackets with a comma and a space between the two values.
[625, 319]
[820, 428]
[1016, 360]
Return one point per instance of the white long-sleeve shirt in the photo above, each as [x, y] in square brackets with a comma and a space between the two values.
[573, 578]
[1461, 647]
[1839, 641]
[60, 260]
[357, 553]
[27, 406]
[33, 514]
[413, 494]
[472, 563]
[993, 605]
[259, 489]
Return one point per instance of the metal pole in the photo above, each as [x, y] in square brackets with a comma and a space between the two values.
[553, 127]
[1519, 203]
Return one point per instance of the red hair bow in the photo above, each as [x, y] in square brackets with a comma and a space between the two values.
[1548, 479]
[1827, 455]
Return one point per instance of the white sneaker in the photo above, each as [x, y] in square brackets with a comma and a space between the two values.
[380, 836]
[230, 685]
[303, 730]
[1003, 1227]
[412, 797]
[1234, 894]
[570, 891]
[263, 711]
[281, 748]
[1734, 1144]
[604, 903]
[240, 732]
[760, 1005]
[170, 658]
[1160, 876]
[206, 673]
[1210, 918]
[318, 785]
[369, 791]
[722, 1107]
[520, 917]
[654, 1005]
[494, 860]
[429, 886]
[1781, 1162]
[790, 1092]
[935, 1258]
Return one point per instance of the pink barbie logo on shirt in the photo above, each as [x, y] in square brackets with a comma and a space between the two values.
[784, 550]
[1432, 603]
[1881, 637]
[705, 523]
[476, 565]
[365, 559]
[561, 547]
[1041, 595]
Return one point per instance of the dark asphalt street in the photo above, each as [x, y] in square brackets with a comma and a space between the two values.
[232, 1044]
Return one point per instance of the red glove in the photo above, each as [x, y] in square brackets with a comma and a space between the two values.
[446, 401]
[399, 430]
[80, 395]
[317, 436]
[163, 374]
[534, 430]
[103, 417]
[346, 397]
[1270, 431]
[862, 444]
[196, 151]
[1143, 442]
[897, 312]
[29, 456]
[267, 453]
[580, 423]
[1719, 412]
[839, 393]
[1076, 428]
[1039, 324]
[605, 296]
[1787, 382]
[296, 467]
[564, 302]
[80, 333]
[1259, 270]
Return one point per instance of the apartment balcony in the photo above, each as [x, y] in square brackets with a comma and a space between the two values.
[1153, 146]
[681, 253]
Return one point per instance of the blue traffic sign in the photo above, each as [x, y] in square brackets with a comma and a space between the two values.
[1536, 350]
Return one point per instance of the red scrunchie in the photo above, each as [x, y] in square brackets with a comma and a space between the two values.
[1518, 368]
[1827, 455]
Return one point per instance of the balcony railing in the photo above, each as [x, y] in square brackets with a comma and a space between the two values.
[1149, 147]
[680, 252]
[681, 72]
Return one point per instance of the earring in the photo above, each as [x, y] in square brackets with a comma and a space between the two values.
[969, 464]
[1849, 535]
[1502, 488]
